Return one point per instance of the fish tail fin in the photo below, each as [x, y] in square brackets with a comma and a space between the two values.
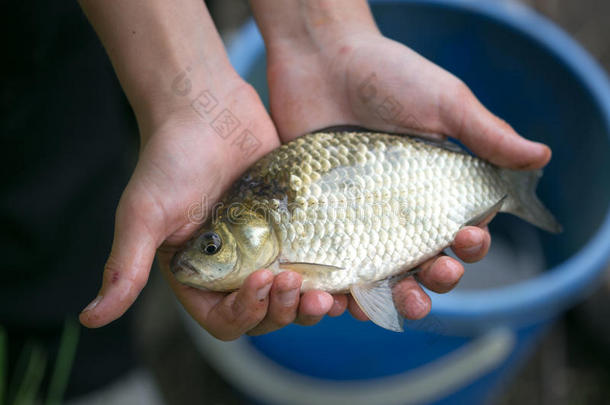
[523, 202]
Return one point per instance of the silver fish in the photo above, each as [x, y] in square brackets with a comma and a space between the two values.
[350, 211]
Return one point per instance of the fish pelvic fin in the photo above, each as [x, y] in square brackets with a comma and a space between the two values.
[523, 202]
[483, 216]
[377, 302]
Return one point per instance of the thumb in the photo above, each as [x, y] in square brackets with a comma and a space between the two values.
[488, 136]
[128, 266]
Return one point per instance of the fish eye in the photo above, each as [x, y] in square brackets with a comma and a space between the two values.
[211, 243]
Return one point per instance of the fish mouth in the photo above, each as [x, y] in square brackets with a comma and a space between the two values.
[179, 266]
[187, 274]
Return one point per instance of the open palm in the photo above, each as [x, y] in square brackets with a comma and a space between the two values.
[370, 81]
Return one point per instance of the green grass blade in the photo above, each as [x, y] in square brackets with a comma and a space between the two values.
[32, 378]
[19, 370]
[3, 365]
[64, 361]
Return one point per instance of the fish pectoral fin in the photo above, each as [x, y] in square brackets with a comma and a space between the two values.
[308, 268]
[376, 301]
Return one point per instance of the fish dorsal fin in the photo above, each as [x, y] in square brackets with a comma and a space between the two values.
[308, 268]
[376, 301]
[430, 138]
[441, 143]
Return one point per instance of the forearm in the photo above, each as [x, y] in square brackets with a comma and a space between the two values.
[310, 24]
[151, 42]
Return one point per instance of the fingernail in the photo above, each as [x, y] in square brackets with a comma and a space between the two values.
[237, 305]
[474, 250]
[544, 149]
[416, 305]
[326, 301]
[288, 298]
[454, 271]
[92, 304]
[476, 242]
[540, 155]
[451, 265]
[538, 145]
[262, 292]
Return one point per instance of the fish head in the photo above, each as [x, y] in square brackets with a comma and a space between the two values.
[226, 251]
[206, 259]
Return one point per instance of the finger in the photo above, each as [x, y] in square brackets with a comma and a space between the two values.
[471, 243]
[313, 306]
[127, 268]
[339, 305]
[410, 300]
[440, 274]
[355, 310]
[239, 311]
[488, 136]
[283, 303]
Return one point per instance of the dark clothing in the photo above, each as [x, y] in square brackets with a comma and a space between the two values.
[68, 140]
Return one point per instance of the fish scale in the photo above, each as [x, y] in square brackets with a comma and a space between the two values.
[369, 180]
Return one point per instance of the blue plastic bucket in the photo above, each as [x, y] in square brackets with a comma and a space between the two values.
[532, 74]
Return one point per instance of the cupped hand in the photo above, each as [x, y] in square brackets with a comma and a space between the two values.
[184, 167]
[373, 82]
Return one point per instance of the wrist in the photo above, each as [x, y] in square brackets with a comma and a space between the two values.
[178, 92]
[311, 26]
[152, 43]
[225, 120]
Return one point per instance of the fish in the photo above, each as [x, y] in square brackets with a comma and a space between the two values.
[352, 212]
